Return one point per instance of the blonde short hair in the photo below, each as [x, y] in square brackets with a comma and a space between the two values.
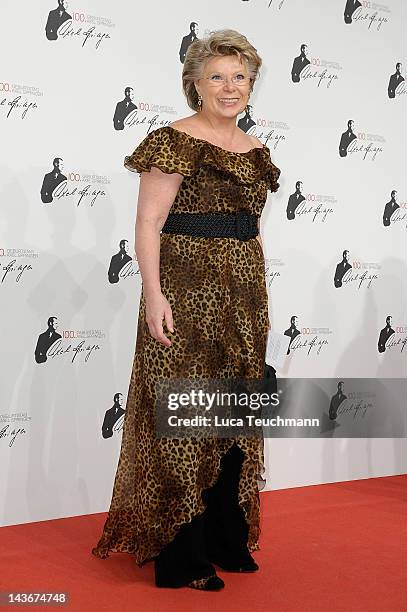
[221, 42]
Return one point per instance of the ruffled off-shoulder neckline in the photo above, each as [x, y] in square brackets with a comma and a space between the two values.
[211, 144]
[172, 150]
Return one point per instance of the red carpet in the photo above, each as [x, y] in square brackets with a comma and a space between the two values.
[330, 547]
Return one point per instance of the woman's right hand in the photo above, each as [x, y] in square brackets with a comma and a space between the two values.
[157, 310]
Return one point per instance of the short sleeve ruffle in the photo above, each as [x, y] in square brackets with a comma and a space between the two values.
[165, 150]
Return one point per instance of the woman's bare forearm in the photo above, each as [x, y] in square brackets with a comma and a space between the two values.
[147, 248]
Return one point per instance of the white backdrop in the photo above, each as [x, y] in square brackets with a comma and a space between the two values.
[57, 100]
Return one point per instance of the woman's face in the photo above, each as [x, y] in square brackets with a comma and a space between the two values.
[221, 95]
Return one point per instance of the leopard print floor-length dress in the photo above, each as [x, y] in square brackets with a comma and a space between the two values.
[217, 291]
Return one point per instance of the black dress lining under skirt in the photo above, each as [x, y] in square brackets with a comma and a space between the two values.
[219, 534]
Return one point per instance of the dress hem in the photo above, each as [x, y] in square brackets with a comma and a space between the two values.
[102, 550]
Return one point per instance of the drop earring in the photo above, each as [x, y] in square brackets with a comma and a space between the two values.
[200, 101]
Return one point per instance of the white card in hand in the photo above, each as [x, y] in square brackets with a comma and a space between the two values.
[276, 351]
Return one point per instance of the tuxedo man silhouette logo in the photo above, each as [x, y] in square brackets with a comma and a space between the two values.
[336, 401]
[385, 334]
[187, 40]
[294, 201]
[55, 19]
[395, 80]
[350, 8]
[246, 122]
[46, 340]
[123, 109]
[52, 180]
[118, 261]
[390, 208]
[341, 269]
[299, 64]
[346, 138]
[292, 331]
[112, 415]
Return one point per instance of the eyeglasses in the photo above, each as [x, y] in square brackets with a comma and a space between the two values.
[220, 79]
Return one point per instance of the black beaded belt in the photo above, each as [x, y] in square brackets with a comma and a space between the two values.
[241, 225]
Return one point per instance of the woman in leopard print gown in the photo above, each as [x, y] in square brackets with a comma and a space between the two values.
[213, 298]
